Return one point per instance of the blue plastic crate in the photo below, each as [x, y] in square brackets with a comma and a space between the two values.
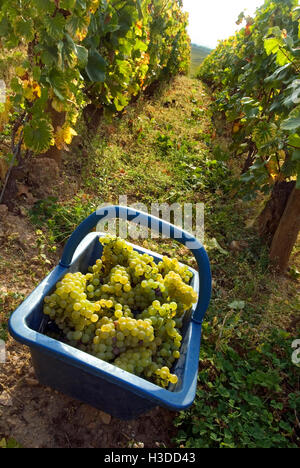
[87, 378]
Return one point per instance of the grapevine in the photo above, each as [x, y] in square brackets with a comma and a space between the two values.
[70, 53]
[255, 78]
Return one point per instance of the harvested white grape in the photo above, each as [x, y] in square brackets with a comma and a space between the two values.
[126, 310]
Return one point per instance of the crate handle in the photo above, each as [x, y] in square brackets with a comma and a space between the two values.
[158, 225]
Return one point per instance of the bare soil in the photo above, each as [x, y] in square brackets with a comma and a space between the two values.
[39, 417]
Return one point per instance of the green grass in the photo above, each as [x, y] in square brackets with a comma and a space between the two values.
[141, 154]
[9, 443]
[61, 219]
[246, 398]
[9, 301]
[198, 54]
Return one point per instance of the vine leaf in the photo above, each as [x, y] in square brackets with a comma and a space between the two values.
[55, 26]
[24, 28]
[272, 45]
[82, 55]
[38, 135]
[296, 155]
[44, 6]
[264, 133]
[96, 67]
[293, 121]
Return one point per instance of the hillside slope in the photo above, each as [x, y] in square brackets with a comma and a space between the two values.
[162, 149]
[198, 54]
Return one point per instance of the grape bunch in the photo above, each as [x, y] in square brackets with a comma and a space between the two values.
[127, 310]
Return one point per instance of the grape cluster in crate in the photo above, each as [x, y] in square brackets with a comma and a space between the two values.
[127, 310]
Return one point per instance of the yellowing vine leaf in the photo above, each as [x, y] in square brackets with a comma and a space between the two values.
[94, 6]
[63, 137]
[20, 71]
[81, 34]
[38, 135]
[31, 90]
[58, 105]
[273, 170]
[139, 28]
[5, 114]
[236, 128]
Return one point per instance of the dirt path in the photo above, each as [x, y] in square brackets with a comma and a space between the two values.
[38, 417]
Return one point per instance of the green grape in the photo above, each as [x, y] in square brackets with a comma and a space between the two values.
[179, 291]
[164, 376]
[135, 360]
[127, 310]
[168, 264]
